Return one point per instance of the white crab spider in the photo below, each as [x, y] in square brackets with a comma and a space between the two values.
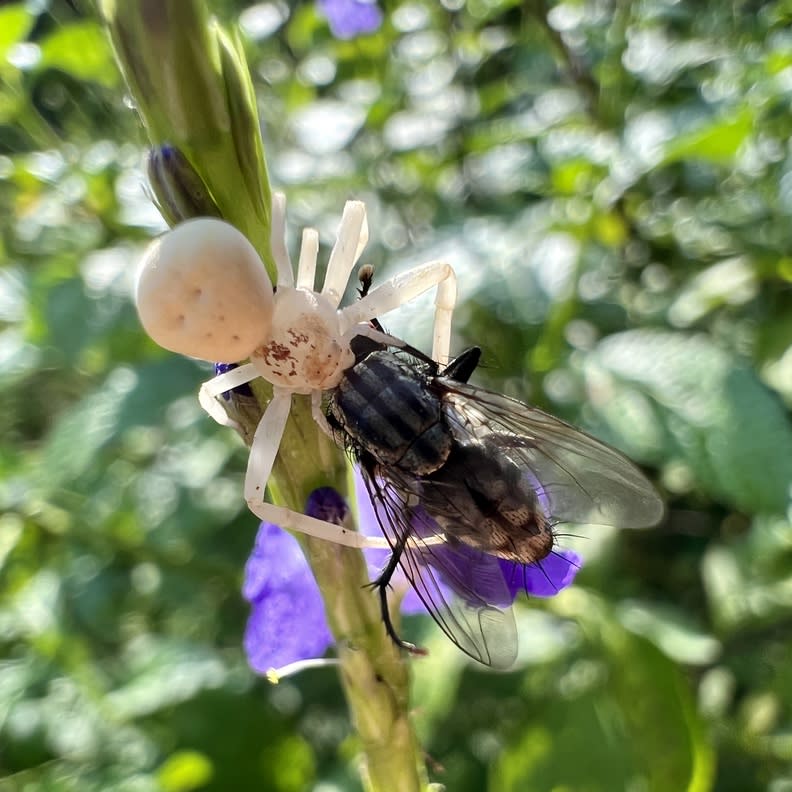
[298, 340]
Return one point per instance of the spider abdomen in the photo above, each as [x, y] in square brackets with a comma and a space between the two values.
[382, 406]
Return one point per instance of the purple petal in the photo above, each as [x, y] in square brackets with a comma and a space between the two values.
[276, 560]
[279, 633]
[411, 602]
[471, 574]
[278, 582]
[350, 18]
[544, 578]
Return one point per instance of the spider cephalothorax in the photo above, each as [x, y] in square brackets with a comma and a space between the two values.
[308, 348]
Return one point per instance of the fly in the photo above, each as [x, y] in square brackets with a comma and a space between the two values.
[462, 478]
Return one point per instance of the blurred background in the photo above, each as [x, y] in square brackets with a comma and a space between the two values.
[613, 183]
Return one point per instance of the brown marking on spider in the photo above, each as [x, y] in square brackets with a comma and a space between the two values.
[297, 337]
[273, 353]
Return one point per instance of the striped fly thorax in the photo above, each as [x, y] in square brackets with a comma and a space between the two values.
[385, 407]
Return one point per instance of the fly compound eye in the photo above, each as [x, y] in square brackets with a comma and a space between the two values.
[202, 290]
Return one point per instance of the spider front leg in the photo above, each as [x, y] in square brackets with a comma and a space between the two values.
[352, 238]
[407, 286]
[310, 526]
[207, 395]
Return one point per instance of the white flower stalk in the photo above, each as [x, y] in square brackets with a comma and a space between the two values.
[191, 88]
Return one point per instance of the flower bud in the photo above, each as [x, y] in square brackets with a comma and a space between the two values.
[178, 189]
[192, 88]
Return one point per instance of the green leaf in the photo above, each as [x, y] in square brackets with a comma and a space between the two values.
[680, 398]
[81, 50]
[749, 583]
[672, 630]
[159, 384]
[774, 354]
[72, 446]
[163, 673]
[716, 142]
[185, 771]
[626, 719]
[15, 23]
[10, 533]
[729, 282]
[290, 764]
[572, 177]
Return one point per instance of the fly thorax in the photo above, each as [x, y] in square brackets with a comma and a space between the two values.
[384, 407]
[305, 350]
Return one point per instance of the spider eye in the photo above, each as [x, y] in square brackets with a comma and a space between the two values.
[202, 290]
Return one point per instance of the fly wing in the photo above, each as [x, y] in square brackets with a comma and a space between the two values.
[576, 477]
[463, 589]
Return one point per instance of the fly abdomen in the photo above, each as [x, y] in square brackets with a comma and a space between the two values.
[386, 410]
[482, 499]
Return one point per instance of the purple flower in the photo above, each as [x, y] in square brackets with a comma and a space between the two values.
[350, 18]
[545, 578]
[287, 621]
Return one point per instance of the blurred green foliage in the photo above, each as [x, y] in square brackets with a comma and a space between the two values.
[613, 182]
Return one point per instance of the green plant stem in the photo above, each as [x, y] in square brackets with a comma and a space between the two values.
[193, 91]
[374, 675]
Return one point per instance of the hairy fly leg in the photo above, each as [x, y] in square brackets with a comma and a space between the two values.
[382, 584]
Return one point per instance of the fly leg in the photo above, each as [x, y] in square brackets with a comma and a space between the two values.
[462, 366]
[382, 584]
[404, 288]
